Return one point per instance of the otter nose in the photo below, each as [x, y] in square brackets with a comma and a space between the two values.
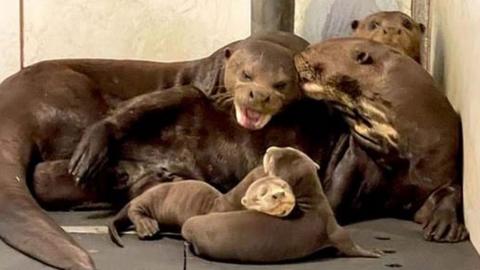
[259, 96]
[278, 195]
[392, 30]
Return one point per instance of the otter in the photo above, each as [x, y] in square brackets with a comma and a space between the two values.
[401, 122]
[60, 98]
[169, 205]
[392, 28]
[253, 237]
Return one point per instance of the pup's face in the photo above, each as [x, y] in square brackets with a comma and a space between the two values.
[263, 80]
[270, 195]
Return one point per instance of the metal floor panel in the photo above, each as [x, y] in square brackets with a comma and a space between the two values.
[407, 250]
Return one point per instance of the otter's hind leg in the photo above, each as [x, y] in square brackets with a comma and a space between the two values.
[55, 189]
[145, 225]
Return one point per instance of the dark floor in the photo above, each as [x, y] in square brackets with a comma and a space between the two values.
[401, 239]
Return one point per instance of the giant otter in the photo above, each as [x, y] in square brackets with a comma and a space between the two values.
[250, 236]
[392, 28]
[60, 98]
[399, 119]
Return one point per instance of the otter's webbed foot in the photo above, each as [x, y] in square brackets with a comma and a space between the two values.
[440, 218]
[444, 226]
[342, 240]
[146, 227]
[91, 154]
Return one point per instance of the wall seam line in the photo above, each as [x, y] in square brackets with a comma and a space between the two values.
[21, 35]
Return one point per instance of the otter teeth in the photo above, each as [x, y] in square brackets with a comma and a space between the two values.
[251, 119]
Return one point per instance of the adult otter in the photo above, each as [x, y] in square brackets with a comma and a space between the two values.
[60, 98]
[169, 205]
[401, 120]
[392, 28]
[250, 236]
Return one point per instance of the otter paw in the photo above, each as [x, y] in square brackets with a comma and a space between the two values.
[91, 153]
[443, 226]
[146, 228]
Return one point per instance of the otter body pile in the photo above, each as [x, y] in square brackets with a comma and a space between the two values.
[250, 236]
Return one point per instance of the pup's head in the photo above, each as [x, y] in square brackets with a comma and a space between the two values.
[270, 195]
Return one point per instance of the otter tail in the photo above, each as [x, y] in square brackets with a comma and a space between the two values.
[23, 224]
[119, 223]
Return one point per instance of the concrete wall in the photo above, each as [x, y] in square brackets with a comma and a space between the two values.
[455, 63]
[9, 38]
[160, 30]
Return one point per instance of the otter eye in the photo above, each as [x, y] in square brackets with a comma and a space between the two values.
[263, 191]
[372, 25]
[246, 76]
[363, 58]
[407, 24]
[280, 85]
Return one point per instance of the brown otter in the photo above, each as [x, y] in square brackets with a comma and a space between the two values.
[392, 28]
[171, 204]
[250, 236]
[398, 116]
[61, 98]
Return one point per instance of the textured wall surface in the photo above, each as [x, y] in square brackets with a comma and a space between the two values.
[455, 55]
[141, 29]
[160, 30]
[9, 38]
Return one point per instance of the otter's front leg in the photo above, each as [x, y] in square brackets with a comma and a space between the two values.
[440, 215]
[92, 152]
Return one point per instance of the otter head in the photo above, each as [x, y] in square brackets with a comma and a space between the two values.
[270, 195]
[351, 74]
[394, 29]
[299, 171]
[262, 79]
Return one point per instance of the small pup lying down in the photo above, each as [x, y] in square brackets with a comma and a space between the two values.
[250, 236]
[168, 205]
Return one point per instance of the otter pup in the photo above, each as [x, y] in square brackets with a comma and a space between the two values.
[171, 204]
[401, 120]
[392, 28]
[250, 236]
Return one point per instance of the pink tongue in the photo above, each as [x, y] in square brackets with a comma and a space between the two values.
[252, 115]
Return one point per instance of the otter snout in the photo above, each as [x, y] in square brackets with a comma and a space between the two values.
[278, 195]
[261, 97]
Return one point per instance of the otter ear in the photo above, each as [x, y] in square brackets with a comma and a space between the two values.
[244, 201]
[227, 53]
[363, 58]
[354, 24]
[422, 27]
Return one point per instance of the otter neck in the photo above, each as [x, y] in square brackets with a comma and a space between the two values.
[232, 199]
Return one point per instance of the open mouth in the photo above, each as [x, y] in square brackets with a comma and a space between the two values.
[251, 119]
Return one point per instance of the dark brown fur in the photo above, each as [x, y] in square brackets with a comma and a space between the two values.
[392, 28]
[405, 131]
[58, 100]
